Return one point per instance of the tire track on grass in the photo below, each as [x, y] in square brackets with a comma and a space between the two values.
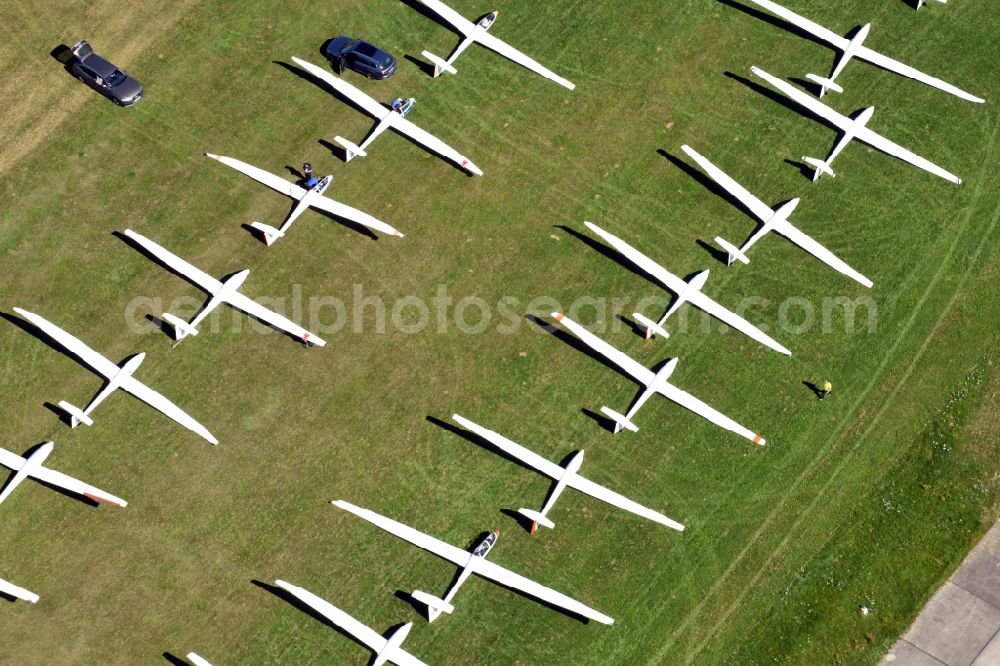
[875, 420]
[658, 656]
[27, 138]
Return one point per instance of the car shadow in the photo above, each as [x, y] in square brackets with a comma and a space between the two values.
[322, 54]
[62, 54]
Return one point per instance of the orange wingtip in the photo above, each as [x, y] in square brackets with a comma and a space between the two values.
[558, 316]
[757, 439]
[103, 500]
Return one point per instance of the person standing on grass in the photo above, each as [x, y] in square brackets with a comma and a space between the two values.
[307, 172]
[826, 390]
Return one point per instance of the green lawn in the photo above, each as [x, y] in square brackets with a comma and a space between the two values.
[872, 496]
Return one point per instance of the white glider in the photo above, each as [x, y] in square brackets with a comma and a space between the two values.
[32, 466]
[438, 605]
[852, 128]
[471, 563]
[476, 32]
[306, 198]
[196, 660]
[652, 382]
[855, 48]
[386, 650]
[386, 118]
[563, 476]
[772, 220]
[12, 590]
[687, 292]
[220, 292]
[119, 377]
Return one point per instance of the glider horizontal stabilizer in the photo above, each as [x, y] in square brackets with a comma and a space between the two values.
[619, 419]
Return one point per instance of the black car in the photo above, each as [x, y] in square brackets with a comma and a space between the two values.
[362, 57]
[102, 76]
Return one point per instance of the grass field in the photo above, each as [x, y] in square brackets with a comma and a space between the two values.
[872, 496]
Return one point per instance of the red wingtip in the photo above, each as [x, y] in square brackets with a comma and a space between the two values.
[103, 500]
[559, 316]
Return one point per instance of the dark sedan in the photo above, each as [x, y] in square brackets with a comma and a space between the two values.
[102, 76]
[362, 57]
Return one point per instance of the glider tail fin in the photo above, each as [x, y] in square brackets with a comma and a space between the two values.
[76, 416]
[182, 329]
[439, 64]
[820, 166]
[536, 519]
[619, 419]
[652, 328]
[269, 233]
[824, 83]
[435, 605]
[351, 150]
[735, 254]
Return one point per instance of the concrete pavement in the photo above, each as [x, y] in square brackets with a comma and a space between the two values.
[960, 625]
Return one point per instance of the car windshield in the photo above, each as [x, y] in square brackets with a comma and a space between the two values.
[117, 77]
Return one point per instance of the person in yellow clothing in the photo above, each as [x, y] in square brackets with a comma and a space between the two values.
[826, 390]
